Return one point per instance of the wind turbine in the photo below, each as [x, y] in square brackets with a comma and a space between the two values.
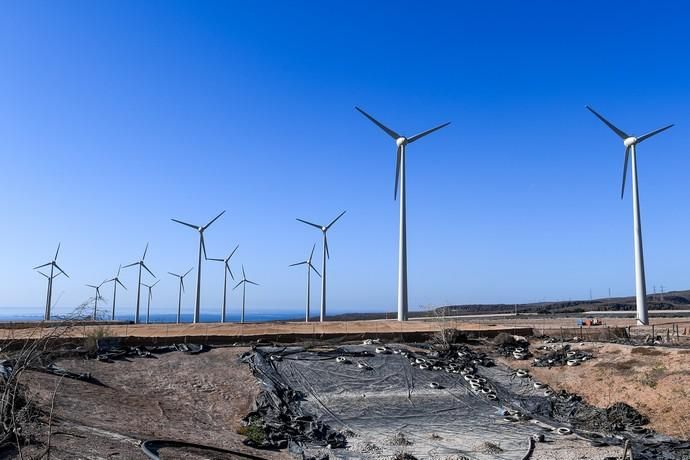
[95, 300]
[630, 143]
[115, 282]
[324, 230]
[180, 291]
[53, 265]
[50, 279]
[310, 267]
[244, 290]
[140, 264]
[202, 247]
[148, 305]
[226, 270]
[401, 142]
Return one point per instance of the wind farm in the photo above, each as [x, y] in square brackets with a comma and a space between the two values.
[286, 306]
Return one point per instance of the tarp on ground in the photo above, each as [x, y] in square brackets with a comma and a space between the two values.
[417, 402]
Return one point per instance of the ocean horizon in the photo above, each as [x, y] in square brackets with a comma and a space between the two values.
[172, 317]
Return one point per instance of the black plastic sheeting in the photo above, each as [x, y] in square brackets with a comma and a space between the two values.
[109, 350]
[7, 367]
[358, 403]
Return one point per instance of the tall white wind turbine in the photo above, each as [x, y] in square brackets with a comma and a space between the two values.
[244, 283]
[401, 142]
[141, 265]
[97, 298]
[115, 282]
[148, 304]
[324, 229]
[53, 265]
[630, 143]
[310, 267]
[180, 291]
[226, 270]
[202, 249]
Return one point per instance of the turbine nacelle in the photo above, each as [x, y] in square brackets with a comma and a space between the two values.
[629, 141]
[401, 141]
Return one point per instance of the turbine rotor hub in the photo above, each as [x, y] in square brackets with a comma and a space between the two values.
[401, 141]
[630, 141]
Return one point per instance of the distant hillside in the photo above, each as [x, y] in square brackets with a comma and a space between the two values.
[674, 300]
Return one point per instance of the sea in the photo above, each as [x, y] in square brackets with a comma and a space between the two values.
[163, 318]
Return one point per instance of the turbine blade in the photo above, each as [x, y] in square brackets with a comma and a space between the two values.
[214, 219]
[157, 281]
[185, 223]
[203, 244]
[620, 133]
[44, 274]
[146, 249]
[92, 286]
[335, 220]
[298, 263]
[216, 260]
[397, 172]
[174, 274]
[309, 223]
[388, 131]
[120, 283]
[425, 133]
[625, 170]
[229, 271]
[653, 133]
[187, 272]
[44, 265]
[147, 269]
[325, 244]
[58, 251]
[131, 265]
[232, 253]
[182, 283]
[252, 282]
[314, 268]
[58, 267]
[244, 276]
[237, 285]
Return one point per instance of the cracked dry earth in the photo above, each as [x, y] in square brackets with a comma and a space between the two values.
[193, 398]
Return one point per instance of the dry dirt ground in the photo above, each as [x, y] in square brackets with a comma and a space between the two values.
[247, 330]
[654, 380]
[194, 398]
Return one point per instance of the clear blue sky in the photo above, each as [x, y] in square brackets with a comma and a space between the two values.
[117, 116]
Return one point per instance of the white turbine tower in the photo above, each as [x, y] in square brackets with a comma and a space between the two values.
[97, 298]
[202, 249]
[148, 304]
[226, 270]
[630, 143]
[115, 282]
[401, 142]
[326, 254]
[180, 291]
[310, 267]
[49, 295]
[244, 291]
[141, 265]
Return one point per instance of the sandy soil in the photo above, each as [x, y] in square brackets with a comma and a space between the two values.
[194, 398]
[654, 380]
[251, 329]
